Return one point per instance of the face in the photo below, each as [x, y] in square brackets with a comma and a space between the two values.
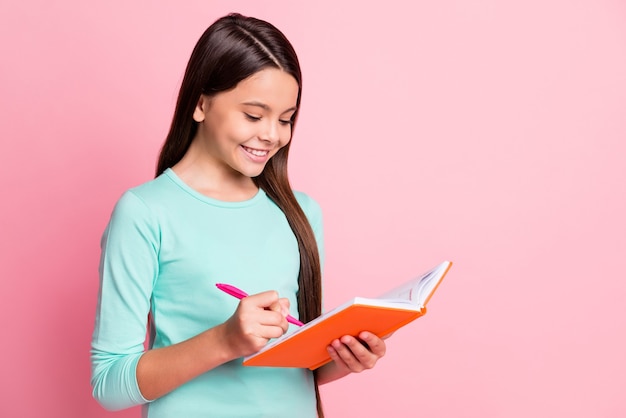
[241, 129]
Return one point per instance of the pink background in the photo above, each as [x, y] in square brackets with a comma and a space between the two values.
[490, 133]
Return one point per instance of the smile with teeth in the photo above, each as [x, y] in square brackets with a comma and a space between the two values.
[257, 152]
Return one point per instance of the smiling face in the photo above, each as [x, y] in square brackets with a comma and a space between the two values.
[239, 130]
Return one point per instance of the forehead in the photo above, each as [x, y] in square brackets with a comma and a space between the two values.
[273, 87]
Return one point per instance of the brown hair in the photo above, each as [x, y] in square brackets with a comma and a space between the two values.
[231, 50]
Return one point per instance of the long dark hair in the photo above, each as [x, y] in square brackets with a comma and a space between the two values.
[231, 50]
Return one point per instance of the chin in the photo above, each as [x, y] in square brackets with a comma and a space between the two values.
[256, 172]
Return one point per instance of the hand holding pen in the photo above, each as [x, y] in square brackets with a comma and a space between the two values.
[257, 319]
[240, 294]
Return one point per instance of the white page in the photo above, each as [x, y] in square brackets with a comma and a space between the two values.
[417, 289]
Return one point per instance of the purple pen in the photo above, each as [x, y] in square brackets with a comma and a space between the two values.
[240, 294]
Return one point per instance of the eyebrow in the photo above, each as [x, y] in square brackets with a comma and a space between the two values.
[266, 107]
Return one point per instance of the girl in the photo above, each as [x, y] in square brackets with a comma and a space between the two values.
[220, 210]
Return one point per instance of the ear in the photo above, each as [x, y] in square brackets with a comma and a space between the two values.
[201, 108]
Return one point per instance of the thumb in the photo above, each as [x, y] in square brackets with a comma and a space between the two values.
[284, 305]
[281, 306]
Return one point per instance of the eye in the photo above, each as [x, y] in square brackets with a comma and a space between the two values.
[286, 122]
[252, 118]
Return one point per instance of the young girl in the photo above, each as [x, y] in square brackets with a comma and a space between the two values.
[220, 210]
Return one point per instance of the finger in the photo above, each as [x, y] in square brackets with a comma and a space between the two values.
[345, 354]
[336, 358]
[375, 345]
[266, 325]
[271, 318]
[363, 353]
[284, 302]
[358, 348]
[281, 306]
[262, 300]
[273, 331]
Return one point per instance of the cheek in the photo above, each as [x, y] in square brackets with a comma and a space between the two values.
[285, 136]
[228, 127]
[240, 132]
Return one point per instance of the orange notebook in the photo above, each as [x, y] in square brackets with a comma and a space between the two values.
[306, 346]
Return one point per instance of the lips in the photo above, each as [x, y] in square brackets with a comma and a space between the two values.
[256, 152]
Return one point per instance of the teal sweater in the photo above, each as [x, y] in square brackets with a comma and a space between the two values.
[163, 250]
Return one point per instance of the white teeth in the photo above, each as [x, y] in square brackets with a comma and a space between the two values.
[256, 152]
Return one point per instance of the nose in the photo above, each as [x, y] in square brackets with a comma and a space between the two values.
[270, 132]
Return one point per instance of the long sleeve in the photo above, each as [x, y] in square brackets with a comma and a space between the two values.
[128, 269]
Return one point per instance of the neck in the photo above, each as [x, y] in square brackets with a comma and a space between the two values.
[209, 178]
